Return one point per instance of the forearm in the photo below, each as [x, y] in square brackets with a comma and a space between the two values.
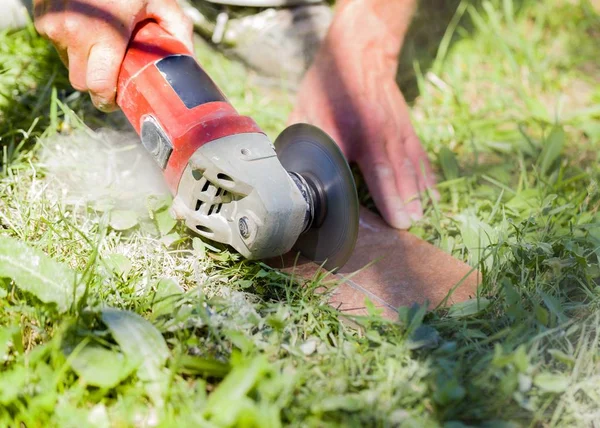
[380, 24]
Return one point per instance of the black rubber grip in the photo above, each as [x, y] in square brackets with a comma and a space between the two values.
[193, 86]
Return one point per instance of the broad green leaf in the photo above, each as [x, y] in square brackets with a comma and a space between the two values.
[148, 227]
[551, 382]
[123, 219]
[33, 271]
[158, 202]
[102, 367]
[412, 317]
[552, 149]
[164, 221]
[448, 163]
[468, 308]
[170, 239]
[424, 337]
[199, 248]
[139, 341]
[555, 306]
[167, 287]
[12, 383]
[166, 290]
[501, 359]
[521, 359]
[234, 388]
[118, 264]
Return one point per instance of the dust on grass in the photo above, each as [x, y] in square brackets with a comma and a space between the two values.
[103, 169]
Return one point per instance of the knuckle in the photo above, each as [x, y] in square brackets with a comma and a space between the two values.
[187, 24]
[76, 83]
[412, 140]
[50, 28]
[103, 65]
[71, 26]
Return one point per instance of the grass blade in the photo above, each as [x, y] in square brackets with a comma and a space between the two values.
[552, 149]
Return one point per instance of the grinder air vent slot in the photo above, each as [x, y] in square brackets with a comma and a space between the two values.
[225, 178]
[212, 194]
[204, 229]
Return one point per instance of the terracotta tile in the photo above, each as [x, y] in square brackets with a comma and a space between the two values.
[402, 270]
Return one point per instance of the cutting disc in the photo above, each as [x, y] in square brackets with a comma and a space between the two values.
[310, 152]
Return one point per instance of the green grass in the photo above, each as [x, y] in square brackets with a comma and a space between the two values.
[509, 110]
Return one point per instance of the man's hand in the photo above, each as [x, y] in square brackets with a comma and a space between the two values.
[351, 93]
[91, 37]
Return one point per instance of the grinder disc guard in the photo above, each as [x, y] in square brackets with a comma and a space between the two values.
[306, 150]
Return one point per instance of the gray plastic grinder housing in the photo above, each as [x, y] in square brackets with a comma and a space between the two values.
[234, 190]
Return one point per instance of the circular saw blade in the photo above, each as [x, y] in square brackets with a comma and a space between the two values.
[310, 152]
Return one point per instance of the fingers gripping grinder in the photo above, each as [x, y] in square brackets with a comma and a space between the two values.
[231, 185]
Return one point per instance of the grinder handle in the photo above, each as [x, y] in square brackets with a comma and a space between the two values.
[149, 44]
[171, 102]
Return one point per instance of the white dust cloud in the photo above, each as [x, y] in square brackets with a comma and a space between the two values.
[104, 168]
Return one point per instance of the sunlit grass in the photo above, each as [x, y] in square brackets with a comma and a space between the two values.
[509, 111]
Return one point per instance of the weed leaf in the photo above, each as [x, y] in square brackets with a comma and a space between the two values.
[118, 264]
[555, 307]
[166, 297]
[448, 163]
[468, 308]
[123, 219]
[102, 367]
[139, 341]
[234, 389]
[11, 384]
[33, 271]
[551, 382]
[164, 221]
[424, 337]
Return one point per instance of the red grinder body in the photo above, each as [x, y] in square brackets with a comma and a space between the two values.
[171, 102]
[229, 182]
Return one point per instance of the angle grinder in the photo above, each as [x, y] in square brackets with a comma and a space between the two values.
[230, 183]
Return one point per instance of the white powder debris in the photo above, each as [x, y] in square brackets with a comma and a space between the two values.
[102, 168]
